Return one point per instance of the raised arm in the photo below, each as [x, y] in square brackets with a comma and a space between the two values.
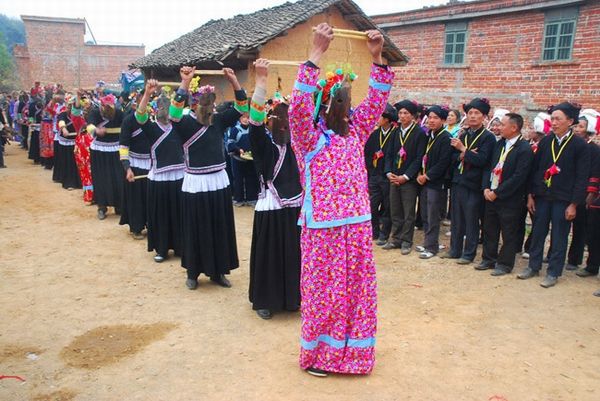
[141, 112]
[302, 106]
[231, 116]
[182, 94]
[259, 140]
[380, 84]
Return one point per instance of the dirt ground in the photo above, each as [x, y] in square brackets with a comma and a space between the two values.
[85, 314]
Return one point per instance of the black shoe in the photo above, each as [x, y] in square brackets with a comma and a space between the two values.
[316, 372]
[101, 214]
[484, 265]
[264, 314]
[159, 259]
[221, 280]
[191, 284]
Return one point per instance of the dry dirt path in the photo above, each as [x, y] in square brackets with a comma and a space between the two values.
[85, 314]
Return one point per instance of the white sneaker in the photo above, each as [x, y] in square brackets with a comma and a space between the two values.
[525, 255]
[426, 255]
[420, 248]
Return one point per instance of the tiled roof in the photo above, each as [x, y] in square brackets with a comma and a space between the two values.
[216, 40]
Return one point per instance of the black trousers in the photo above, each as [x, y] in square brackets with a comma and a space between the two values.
[505, 221]
[578, 241]
[379, 196]
[549, 213]
[403, 209]
[431, 201]
[593, 226]
[466, 212]
[245, 181]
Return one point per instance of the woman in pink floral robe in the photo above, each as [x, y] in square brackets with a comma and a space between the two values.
[338, 284]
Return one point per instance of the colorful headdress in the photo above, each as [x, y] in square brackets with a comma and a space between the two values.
[197, 91]
[541, 123]
[108, 100]
[327, 88]
[593, 120]
[498, 115]
[100, 84]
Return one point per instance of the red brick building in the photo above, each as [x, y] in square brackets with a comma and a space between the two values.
[523, 55]
[55, 51]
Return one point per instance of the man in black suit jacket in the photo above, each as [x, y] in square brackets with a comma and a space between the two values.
[379, 187]
[434, 167]
[402, 164]
[471, 156]
[557, 185]
[505, 190]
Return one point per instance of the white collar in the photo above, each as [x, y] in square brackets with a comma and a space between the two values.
[564, 137]
[510, 143]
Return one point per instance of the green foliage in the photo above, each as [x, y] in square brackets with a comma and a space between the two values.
[8, 75]
[13, 31]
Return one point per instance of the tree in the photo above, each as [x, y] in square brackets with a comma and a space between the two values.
[8, 74]
[13, 30]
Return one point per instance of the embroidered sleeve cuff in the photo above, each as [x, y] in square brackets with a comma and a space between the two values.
[241, 105]
[380, 86]
[592, 189]
[594, 180]
[381, 78]
[175, 112]
[124, 153]
[257, 113]
[141, 118]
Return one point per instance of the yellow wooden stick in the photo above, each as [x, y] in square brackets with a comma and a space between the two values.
[347, 33]
[209, 72]
[348, 36]
[285, 62]
[166, 83]
[139, 177]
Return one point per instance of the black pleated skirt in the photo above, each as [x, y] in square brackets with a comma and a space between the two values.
[275, 260]
[70, 176]
[164, 216]
[108, 178]
[209, 243]
[47, 162]
[135, 196]
[58, 168]
[34, 147]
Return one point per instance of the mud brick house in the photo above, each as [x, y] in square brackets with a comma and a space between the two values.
[521, 54]
[279, 33]
[55, 51]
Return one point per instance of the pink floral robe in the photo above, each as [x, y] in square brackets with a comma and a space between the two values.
[338, 283]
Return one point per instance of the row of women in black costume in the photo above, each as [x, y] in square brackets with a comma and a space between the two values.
[162, 167]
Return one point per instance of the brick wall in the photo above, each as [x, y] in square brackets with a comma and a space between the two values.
[56, 52]
[503, 59]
